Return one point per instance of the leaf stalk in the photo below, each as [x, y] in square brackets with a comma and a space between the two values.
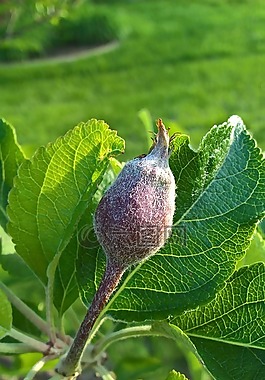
[37, 367]
[25, 310]
[104, 373]
[32, 342]
[15, 348]
[49, 297]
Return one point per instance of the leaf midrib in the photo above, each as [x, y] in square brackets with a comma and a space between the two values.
[230, 342]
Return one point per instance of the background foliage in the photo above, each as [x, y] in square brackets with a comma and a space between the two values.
[32, 29]
[195, 64]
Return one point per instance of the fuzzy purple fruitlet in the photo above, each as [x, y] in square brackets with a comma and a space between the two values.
[134, 217]
[132, 221]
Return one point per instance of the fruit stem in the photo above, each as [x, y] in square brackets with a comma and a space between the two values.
[71, 364]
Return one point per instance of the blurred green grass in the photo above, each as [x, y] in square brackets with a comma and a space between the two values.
[195, 63]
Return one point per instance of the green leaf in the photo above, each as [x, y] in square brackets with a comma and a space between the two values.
[5, 315]
[11, 156]
[173, 375]
[16, 267]
[5, 239]
[53, 190]
[229, 332]
[220, 198]
[236, 315]
[229, 362]
[145, 117]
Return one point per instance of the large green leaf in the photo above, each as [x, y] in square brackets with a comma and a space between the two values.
[229, 362]
[11, 157]
[54, 188]
[220, 198]
[5, 315]
[229, 332]
[237, 313]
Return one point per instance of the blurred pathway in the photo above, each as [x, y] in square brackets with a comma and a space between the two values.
[66, 56]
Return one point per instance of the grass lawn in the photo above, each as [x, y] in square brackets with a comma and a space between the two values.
[193, 62]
